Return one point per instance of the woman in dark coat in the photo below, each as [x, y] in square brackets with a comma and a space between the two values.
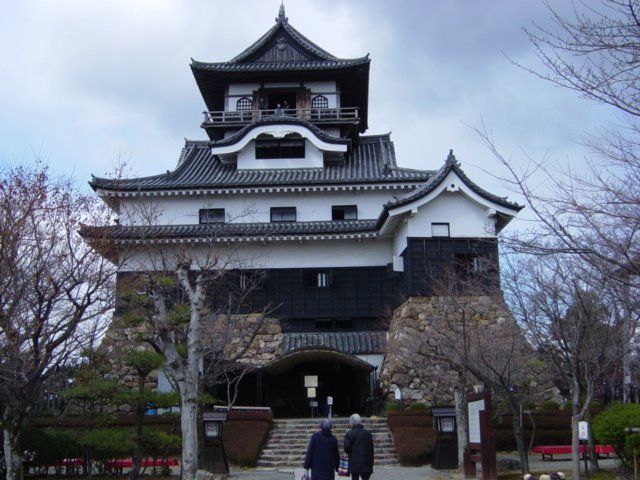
[323, 457]
[358, 443]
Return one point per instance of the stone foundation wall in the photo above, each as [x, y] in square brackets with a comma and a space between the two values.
[411, 365]
[265, 347]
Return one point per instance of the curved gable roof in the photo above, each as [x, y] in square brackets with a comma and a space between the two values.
[273, 39]
[451, 165]
[372, 161]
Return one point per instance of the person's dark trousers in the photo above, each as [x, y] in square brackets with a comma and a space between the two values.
[360, 476]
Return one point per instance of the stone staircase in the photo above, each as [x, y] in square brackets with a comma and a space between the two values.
[288, 440]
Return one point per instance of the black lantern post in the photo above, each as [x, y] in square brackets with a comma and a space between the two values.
[446, 453]
[214, 458]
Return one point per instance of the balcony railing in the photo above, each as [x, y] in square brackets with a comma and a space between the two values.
[315, 115]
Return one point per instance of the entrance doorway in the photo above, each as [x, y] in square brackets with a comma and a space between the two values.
[345, 378]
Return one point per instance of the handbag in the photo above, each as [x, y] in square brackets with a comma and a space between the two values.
[306, 475]
[343, 468]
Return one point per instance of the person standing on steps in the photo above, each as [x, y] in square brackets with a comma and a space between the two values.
[358, 443]
[323, 457]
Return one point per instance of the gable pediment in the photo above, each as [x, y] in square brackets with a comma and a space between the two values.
[281, 48]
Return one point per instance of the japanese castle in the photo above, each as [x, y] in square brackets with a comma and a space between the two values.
[287, 181]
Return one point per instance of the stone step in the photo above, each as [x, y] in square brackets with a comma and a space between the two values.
[288, 440]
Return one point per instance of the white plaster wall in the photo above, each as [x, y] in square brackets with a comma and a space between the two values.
[465, 217]
[269, 255]
[310, 206]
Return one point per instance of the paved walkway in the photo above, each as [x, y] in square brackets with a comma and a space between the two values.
[412, 473]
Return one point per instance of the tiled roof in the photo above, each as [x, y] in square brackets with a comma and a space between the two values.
[290, 66]
[224, 231]
[346, 342]
[302, 53]
[451, 164]
[372, 161]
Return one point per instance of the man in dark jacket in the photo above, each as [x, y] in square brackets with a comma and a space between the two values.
[323, 457]
[358, 443]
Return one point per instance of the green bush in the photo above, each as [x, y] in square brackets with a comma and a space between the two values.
[419, 406]
[609, 428]
[394, 407]
[44, 447]
[549, 405]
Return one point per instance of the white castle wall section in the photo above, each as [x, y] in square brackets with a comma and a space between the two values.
[242, 208]
[466, 218]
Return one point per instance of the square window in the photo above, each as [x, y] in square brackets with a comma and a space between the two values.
[212, 215]
[440, 230]
[344, 212]
[283, 214]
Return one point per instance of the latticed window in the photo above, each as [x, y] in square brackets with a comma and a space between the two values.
[319, 101]
[244, 103]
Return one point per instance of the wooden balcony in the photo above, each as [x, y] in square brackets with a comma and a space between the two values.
[313, 115]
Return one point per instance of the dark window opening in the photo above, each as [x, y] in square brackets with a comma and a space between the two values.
[344, 212]
[317, 279]
[283, 99]
[323, 325]
[284, 148]
[244, 103]
[211, 215]
[283, 214]
[468, 265]
[319, 101]
[344, 324]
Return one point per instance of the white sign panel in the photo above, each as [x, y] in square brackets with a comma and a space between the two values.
[310, 381]
[473, 414]
[583, 431]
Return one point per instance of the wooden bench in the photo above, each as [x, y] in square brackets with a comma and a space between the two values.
[548, 451]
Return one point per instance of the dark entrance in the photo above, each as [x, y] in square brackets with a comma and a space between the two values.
[343, 377]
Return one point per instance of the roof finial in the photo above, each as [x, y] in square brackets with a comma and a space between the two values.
[281, 18]
[451, 157]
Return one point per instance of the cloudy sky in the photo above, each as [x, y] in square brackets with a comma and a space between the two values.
[87, 82]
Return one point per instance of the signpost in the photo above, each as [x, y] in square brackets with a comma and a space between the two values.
[583, 438]
[481, 447]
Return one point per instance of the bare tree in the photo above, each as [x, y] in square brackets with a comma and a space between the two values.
[191, 305]
[564, 310]
[54, 291]
[593, 50]
[469, 329]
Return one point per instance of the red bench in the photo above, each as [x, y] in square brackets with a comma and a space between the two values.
[548, 451]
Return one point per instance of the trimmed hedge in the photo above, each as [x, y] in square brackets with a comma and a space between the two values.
[414, 436]
[244, 434]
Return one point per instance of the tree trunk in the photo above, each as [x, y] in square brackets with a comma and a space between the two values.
[518, 431]
[138, 435]
[12, 457]
[575, 442]
[461, 415]
[189, 424]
